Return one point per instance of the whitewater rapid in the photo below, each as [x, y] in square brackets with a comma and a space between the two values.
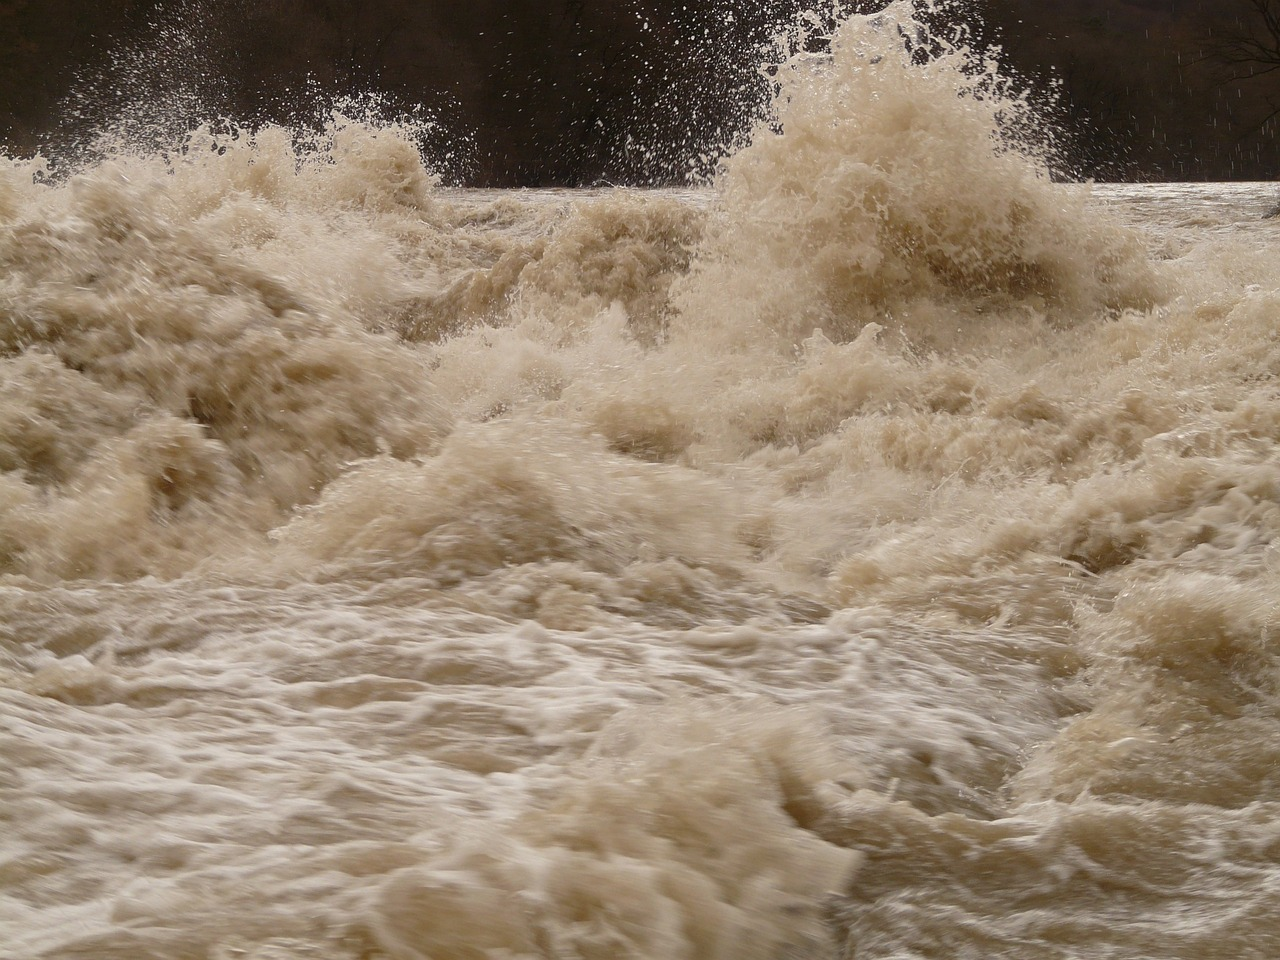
[868, 555]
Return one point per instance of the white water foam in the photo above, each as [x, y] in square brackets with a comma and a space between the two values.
[869, 556]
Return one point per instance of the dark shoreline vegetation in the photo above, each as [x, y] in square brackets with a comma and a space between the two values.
[589, 92]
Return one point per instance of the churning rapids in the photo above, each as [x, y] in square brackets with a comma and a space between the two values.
[870, 556]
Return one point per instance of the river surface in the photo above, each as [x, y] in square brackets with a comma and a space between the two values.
[870, 555]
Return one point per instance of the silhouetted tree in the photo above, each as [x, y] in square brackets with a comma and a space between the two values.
[1247, 42]
[1244, 44]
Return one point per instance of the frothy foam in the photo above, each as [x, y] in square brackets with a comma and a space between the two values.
[900, 190]
[871, 554]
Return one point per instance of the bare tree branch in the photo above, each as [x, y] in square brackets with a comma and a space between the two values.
[1250, 46]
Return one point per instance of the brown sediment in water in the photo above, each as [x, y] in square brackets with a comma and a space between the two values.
[870, 555]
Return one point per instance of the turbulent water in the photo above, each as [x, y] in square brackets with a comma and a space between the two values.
[868, 556]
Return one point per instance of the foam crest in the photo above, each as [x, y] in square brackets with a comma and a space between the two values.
[894, 173]
[1185, 669]
[542, 514]
[175, 346]
[633, 858]
[1058, 881]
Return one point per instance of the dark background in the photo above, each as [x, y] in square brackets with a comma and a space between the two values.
[540, 92]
